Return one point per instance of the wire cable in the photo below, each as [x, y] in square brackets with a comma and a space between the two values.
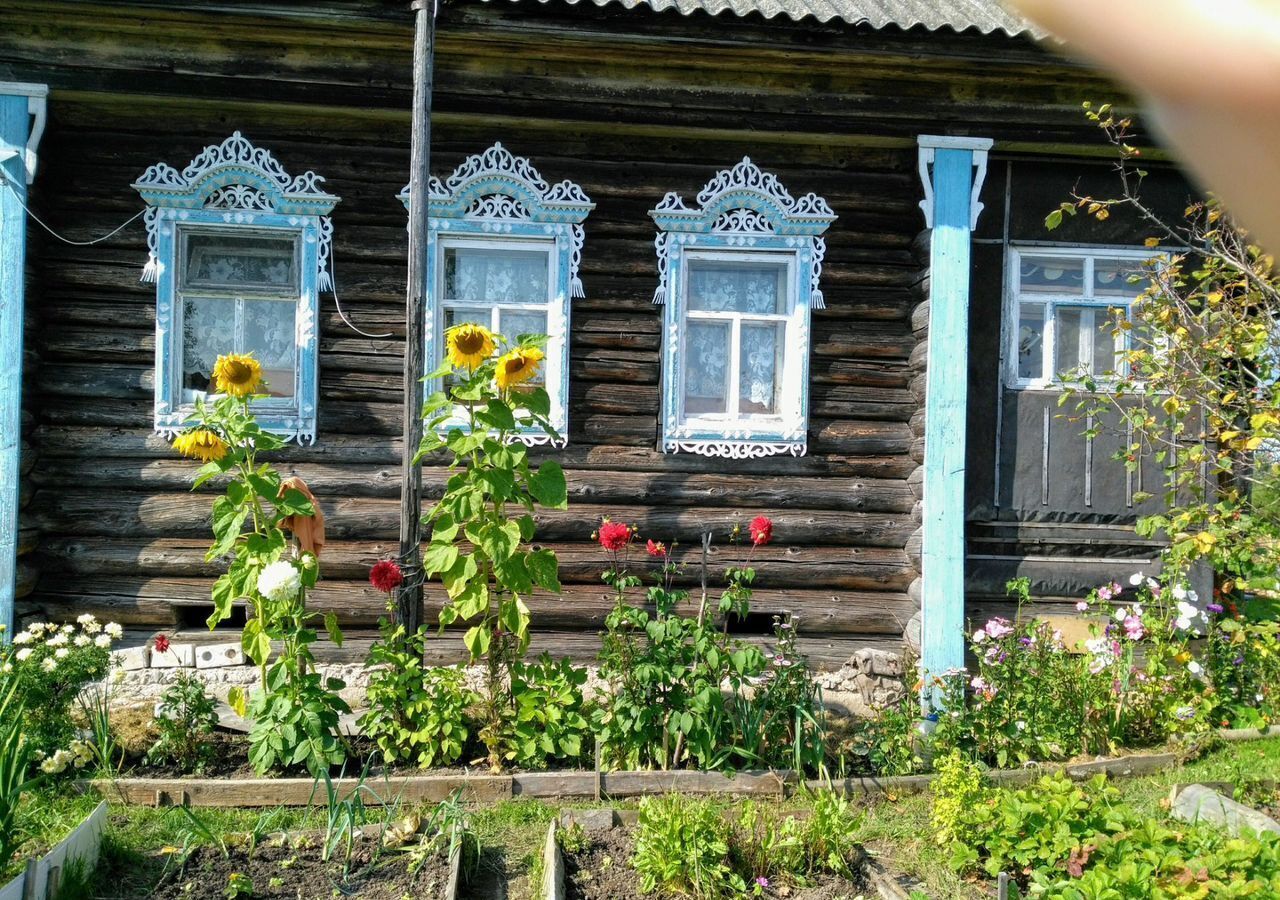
[333, 273]
[4, 179]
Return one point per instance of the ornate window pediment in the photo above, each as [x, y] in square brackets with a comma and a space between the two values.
[238, 251]
[503, 249]
[738, 276]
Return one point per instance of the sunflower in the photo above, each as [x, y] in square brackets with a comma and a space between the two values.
[518, 366]
[201, 444]
[468, 345]
[237, 374]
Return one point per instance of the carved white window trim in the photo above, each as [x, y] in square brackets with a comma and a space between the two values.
[497, 199]
[237, 188]
[743, 214]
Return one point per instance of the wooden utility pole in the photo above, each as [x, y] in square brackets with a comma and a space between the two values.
[409, 596]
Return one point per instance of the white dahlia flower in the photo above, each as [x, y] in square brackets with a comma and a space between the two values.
[280, 582]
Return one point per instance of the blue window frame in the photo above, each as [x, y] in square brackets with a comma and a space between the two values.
[738, 277]
[239, 254]
[503, 250]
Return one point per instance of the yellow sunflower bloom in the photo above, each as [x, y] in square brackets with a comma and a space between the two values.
[468, 345]
[237, 374]
[201, 444]
[518, 366]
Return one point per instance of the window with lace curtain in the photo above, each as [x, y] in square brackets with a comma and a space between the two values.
[239, 253]
[739, 276]
[503, 248]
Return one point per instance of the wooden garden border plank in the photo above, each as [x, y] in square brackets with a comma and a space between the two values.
[584, 784]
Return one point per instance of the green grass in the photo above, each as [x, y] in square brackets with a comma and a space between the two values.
[45, 817]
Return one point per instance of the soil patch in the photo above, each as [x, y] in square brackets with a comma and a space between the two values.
[603, 872]
[285, 873]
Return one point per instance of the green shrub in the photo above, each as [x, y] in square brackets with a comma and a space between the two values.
[958, 788]
[1038, 826]
[549, 724]
[417, 713]
[682, 849]
[828, 835]
[1149, 860]
[185, 718]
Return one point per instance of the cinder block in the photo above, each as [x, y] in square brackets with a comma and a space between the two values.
[588, 819]
[214, 656]
[132, 659]
[178, 656]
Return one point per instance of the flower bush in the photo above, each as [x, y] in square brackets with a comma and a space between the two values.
[683, 691]
[294, 710]
[481, 526]
[53, 663]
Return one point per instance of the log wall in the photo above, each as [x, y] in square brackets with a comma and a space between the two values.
[629, 104]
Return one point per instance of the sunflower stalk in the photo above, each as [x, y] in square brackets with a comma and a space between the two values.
[294, 711]
[482, 526]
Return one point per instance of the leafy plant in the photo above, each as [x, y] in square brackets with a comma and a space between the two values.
[295, 712]
[16, 757]
[828, 834]
[195, 832]
[239, 887]
[345, 814]
[682, 848]
[417, 713]
[295, 721]
[95, 705]
[1034, 827]
[185, 719]
[780, 723]
[481, 525]
[666, 706]
[766, 845]
[957, 788]
[549, 724]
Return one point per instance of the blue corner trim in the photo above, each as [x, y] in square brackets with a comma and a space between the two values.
[14, 126]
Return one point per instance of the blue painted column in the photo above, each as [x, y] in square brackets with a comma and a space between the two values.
[18, 104]
[952, 170]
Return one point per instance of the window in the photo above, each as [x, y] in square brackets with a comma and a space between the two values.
[738, 279]
[1062, 301]
[238, 253]
[504, 252]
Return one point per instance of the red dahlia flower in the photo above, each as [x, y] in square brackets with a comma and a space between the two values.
[161, 643]
[614, 536]
[386, 576]
[656, 548]
[761, 529]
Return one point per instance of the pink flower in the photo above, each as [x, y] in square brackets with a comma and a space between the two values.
[998, 628]
[656, 548]
[614, 536]
[761, 530]
[386, 576]
[1104, 593]
[1133, 629]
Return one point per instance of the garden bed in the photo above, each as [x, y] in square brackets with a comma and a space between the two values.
[290, 873]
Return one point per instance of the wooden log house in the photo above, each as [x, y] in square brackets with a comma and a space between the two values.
[928, 466]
